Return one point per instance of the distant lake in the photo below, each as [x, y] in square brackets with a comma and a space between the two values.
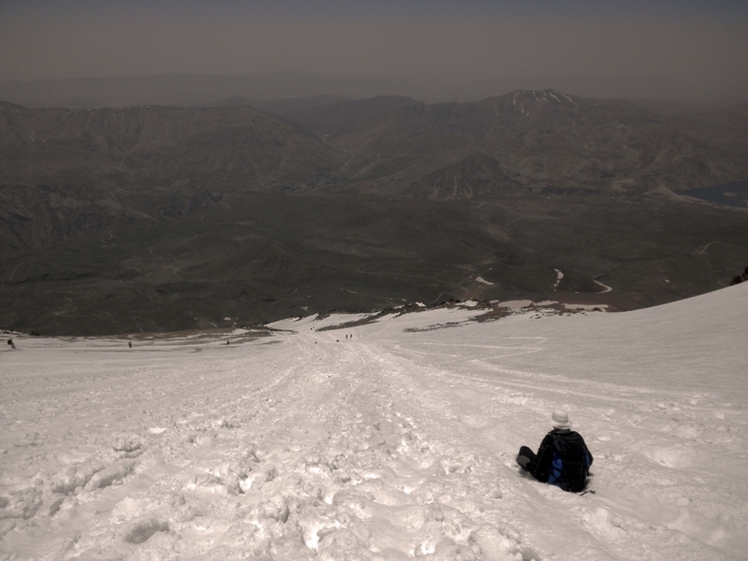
[731, 194]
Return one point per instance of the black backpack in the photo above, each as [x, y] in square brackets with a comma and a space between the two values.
[571, 463]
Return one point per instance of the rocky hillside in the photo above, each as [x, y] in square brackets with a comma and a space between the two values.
[65, 172]
[541, 139]
[162, 145]
[475, 176]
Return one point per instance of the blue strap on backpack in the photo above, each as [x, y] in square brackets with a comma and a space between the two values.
[570, 463]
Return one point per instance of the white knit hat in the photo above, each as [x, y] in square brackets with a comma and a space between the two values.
[561, 419]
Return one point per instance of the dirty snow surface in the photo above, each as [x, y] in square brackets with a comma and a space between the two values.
[385, 441]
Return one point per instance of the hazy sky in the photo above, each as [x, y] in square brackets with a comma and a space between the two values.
[685, 49]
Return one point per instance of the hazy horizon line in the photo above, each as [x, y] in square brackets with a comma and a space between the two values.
[194, 89]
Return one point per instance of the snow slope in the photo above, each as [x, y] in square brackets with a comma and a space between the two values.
[382, 442]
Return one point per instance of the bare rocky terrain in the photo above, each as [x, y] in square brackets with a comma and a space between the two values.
[155, 218]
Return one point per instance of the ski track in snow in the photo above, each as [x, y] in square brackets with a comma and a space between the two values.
[385, 446]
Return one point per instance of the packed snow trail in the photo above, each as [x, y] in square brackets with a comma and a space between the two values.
[386, 441]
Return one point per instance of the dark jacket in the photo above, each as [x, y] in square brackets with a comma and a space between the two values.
[544, 469]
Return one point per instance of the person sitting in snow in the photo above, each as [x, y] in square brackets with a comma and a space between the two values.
[563, 458]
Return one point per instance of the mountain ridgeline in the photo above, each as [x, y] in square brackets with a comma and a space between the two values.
[156, 218]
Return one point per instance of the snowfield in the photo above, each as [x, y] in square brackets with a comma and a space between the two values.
[385, 441]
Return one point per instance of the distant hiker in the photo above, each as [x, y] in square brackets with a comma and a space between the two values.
[129, 344]
[563, 458]
[11, 343]
[227, 341]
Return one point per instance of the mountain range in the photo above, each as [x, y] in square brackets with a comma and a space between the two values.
[157, 218]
